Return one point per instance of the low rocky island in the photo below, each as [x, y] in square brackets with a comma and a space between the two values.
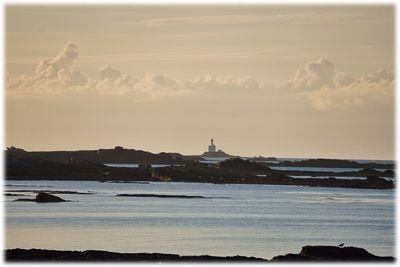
[42, 198]
[308, 253]
[86, 165]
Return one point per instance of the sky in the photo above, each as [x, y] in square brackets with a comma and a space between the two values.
[286, 81]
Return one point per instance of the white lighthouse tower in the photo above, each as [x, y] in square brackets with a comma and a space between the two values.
[212, 148]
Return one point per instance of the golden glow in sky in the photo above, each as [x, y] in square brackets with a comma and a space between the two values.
[285, 81]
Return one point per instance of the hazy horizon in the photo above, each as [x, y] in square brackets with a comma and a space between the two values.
[286, 81]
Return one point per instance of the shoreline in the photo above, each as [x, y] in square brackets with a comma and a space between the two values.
[300, 184]
[307, 253]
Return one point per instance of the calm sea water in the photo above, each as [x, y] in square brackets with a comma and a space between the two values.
[254, 220]
[284, 168]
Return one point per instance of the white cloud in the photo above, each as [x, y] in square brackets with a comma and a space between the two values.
[356, 94]
[380, 75]
[318, 81]
[228, 84]
[107, 72]
[121, 86]
[52, 76]
[314, 75]
[62, 66]
[342, 79]
[71, 77]
[327, 89]
[50, 68]
[154, 84]
[111, 82]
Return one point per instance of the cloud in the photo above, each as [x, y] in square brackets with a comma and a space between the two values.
[314, 75]
[52, 76]
[112, 82]
[155, 85]
[29, 86]
[62, 67]
[380, 75]
[327, 89]
[107, 72]
[71, 77]
[49, 68]
[118, 87]
[228, 84]
[356, 94]
[342, 79]
[318, 82]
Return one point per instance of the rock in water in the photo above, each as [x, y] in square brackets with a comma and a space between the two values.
[45, 197]
[331, 253]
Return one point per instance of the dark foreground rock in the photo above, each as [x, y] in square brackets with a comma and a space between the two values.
[308, 253]
[43, 198]
[32, 255]
[331, 253]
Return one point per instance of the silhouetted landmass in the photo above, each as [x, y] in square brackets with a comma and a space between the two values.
[20, 166]
[28, 168]
[127, 156]
[263, 159]
[331, 253]
[100, 156]
[216, 154]
[332, 163]
[43, 198]
[308, 253]
[14, 195]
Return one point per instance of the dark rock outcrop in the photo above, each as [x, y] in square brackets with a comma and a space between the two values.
[43, 198]
[244, 166]
[331, 253]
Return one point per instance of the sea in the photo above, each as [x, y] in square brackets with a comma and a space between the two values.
[234, 219]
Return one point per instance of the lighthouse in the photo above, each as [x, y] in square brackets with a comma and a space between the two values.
[213, 156]
[212, 148]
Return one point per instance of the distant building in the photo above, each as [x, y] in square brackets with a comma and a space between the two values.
[214, 156]
[212, 148]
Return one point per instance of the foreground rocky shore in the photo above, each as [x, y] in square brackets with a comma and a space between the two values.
[308, 253]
